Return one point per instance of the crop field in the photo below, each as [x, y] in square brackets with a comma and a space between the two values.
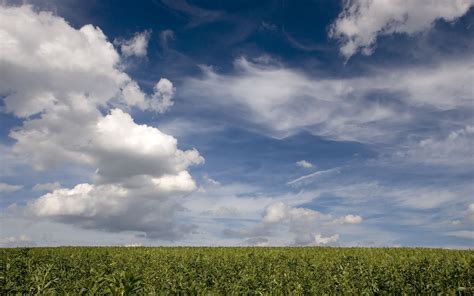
[232, 271]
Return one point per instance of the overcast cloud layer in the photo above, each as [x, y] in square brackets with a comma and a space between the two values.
[153, 134]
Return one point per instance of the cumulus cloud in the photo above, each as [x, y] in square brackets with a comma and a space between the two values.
[46, 62]
[68, 79]
[151, 211]
[304, 164]
[120, 148]
[301, 223]
[325, 240]
[138, 170]
[5, 187]
[362, 21]
[136, 46]
[279, 212]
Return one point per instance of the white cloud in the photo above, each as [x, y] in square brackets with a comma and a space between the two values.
[362, 21]
[325, 240]
[160, 101]
[5, 187]
[120, 148]
[136, 46]
[45, 63]
[151, 210]
[162, 96]
[44, 59]
[304, 164]
[210, 181]
[139, 169]
[301, 223]
[182, 127]
[68, 78]
[307, 178]
[284, 101]
[46, 186]
[456, 149]
[83, 199]
[280, 212]
[348, 219]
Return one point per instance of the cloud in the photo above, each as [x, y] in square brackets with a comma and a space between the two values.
[46, 186]
[468, 216]
[302, 225]
[45, 63]
[304, 164]
[69, 88]
[372, 108]
[121, 149]
[138, 170]
[307, 178]
[136, 46]
[453, 150]
[280, 212]
[304, 222]
[362, 21]
[210, 181]
[5, 187]
[462, 234]
[304, 46]
[348, 219]
[408, 197]
[470, 212]
[223, 199]
[196, 14]
[151, 210]
[162, 96]
[324, 240]
[16, 242]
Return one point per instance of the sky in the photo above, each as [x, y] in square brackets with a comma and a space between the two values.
[237, 123]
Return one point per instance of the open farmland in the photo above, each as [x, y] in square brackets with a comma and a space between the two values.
[227, 271]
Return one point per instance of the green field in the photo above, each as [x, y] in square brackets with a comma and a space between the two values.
[231, 271]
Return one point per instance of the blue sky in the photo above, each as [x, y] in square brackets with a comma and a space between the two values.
[296, 123]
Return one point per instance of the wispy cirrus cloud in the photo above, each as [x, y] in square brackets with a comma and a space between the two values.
[373, 108]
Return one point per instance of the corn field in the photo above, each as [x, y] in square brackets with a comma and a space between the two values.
[235, 271]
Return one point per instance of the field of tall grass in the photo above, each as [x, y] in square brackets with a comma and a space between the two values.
[235, 271]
